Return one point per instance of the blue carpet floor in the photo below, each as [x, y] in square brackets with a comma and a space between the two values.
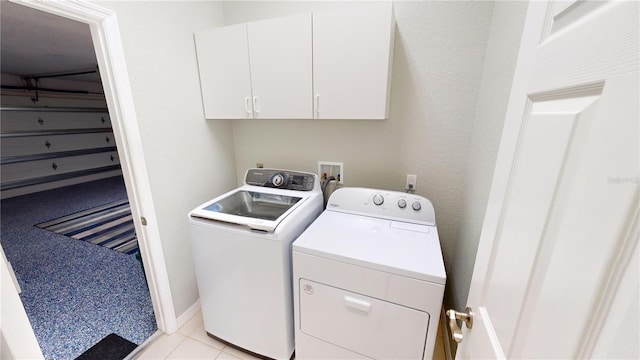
[74, 292]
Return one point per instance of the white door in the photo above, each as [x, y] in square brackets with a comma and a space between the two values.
[225, 79]
[556, 274]
[280, 57]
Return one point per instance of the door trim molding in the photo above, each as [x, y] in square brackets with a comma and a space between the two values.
[117, 89]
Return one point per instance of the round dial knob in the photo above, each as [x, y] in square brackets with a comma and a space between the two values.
[416, 205]
[402, 203]
[277, 180]
[378, 199]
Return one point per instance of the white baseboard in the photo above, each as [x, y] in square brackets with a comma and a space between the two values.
[187, 315]
[13, 276]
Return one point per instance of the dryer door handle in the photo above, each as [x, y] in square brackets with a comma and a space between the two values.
[358, 304]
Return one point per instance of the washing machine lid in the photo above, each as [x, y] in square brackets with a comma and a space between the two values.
[255, 207]
[396, 247]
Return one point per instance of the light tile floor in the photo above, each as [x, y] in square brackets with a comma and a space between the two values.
[192, 342]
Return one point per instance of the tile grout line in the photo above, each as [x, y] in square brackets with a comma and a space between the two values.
[176, 346]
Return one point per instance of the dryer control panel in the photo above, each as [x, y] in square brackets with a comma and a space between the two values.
[281, 179]
[386, 204]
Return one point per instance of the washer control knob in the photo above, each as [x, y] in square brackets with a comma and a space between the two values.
[416, 205]
[378, 199]
[402, 203]
[277, 180]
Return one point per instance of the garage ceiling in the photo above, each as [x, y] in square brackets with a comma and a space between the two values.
[38, 43]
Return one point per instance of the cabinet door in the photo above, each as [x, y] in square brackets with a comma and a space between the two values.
[352, 61]
[223, 62]
[280, 57]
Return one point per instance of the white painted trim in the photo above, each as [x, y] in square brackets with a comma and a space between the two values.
[115, 80]
[18, 340]
[188, 314]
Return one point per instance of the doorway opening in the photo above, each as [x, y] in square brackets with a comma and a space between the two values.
[160, 300]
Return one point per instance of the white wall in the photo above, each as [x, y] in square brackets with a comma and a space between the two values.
[189, 160]
[452, 72]
[500, 60]
[438, 67]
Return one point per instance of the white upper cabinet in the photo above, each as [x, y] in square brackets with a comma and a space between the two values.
[281, 75]
[336, 67]
[352, 61]
[225, 80]
[257, 70]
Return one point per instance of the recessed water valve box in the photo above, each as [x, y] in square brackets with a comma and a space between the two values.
[327, 169]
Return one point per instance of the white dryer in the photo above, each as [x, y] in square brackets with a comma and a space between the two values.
[241, 245]
[368, 278]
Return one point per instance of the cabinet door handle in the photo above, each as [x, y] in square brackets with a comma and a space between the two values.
[246, 105]
[255, 105]
[317, 104]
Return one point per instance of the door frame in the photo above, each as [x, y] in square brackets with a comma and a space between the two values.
[117, 89]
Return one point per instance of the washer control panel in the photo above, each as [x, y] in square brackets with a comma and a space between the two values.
[280, 179]
[386, 204]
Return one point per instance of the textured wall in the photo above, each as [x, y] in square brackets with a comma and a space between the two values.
[189, 159]
[499, 65]
[447, 106]
[439, 53]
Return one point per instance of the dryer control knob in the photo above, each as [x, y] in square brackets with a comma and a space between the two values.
[378, 199]
[416, 205]
[402, 203]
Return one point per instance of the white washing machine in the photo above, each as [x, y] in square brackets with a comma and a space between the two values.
[368, 278]
[241, 244]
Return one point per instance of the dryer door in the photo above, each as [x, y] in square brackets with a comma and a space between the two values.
[365, 325]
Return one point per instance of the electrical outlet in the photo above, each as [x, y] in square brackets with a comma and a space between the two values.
[411, 182]
[330, 168]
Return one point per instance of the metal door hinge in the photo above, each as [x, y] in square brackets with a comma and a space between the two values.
[143, 220]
